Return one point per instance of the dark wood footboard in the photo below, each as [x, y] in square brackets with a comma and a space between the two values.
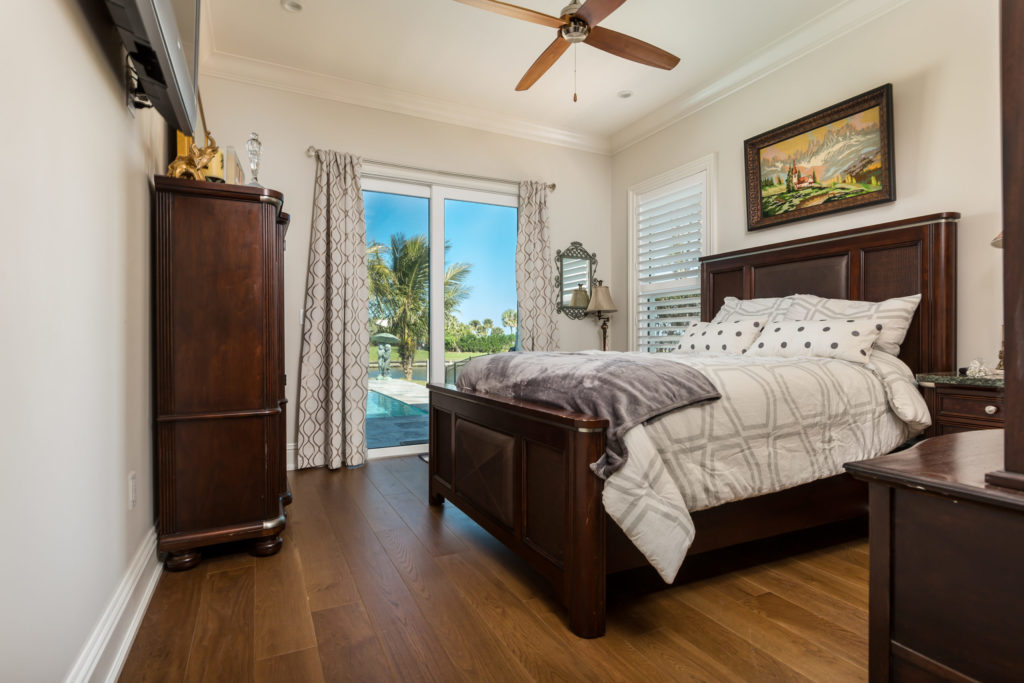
[522, 472]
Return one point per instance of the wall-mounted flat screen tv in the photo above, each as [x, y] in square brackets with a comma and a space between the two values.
[162, 39]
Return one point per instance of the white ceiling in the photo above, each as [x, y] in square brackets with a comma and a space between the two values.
[449, 61]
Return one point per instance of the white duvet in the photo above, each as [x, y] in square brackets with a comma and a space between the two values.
[780, 423]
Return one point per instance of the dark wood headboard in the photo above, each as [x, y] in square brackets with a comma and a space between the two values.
[877, 262]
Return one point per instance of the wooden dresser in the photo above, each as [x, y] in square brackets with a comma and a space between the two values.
[946, 602]
[218, 286]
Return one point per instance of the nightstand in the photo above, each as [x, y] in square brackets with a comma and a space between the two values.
[959, 404]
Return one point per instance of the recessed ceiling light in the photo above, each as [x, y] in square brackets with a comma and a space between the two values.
[625, 94]
[291, 5]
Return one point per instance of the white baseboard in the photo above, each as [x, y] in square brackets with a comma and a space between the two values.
[291, 456]
[106, 650]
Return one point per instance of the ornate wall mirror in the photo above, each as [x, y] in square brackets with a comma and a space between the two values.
[575, 279]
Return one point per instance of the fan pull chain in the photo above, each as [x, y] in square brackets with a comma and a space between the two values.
[574, 72]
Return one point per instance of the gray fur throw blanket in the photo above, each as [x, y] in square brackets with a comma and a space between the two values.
[625, 388]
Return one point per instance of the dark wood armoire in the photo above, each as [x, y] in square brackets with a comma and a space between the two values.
[218, 288]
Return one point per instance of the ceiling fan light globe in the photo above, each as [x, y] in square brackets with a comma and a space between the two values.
[576, 31]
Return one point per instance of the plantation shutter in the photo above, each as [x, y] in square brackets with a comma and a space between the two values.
[670, 226]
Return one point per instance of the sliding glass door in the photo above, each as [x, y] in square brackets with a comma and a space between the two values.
[441, 264]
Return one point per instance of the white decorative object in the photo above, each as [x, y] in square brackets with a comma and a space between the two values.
[977, 369]
[254, 147]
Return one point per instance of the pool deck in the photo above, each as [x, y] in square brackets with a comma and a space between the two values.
[386, 432]
[409, 393]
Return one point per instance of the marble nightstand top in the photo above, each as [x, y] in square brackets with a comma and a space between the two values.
[927, 378]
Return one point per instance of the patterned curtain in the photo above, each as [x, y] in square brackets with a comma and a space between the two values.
[535, 271]
[335, 345]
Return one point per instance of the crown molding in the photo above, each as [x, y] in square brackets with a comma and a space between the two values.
[812, 35]
[267, 74]
[801, 41]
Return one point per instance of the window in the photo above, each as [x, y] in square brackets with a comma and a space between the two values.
[441, 260]
[669, 230]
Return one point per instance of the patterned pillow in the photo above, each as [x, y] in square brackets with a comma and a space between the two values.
[731, 337]
[844, 339]
[894, 315]
[769, 309]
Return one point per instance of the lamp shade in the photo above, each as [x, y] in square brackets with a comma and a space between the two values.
[580, 299]
[998, 241]
[601, 301]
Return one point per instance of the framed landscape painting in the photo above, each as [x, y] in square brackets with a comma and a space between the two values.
[836, 159]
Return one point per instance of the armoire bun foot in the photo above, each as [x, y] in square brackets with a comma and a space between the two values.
[262, 547]
[180, 561]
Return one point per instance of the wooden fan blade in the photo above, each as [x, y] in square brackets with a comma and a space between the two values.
[543, 63]
[628, 47]
[515, 12]
[593, 11]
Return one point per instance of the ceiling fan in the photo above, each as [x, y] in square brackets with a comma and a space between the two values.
[578, 23]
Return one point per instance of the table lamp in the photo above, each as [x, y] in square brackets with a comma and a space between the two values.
[600, 304]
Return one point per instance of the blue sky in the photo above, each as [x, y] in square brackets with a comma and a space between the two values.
[482, 235]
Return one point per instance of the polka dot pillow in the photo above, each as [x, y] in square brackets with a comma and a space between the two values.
[894, 314]
[731, 337]
[844, 339]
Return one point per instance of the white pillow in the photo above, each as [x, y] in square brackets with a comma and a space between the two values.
[901, 390]
[893, 314]
[731, 337]
[844, 339]
[769, 309]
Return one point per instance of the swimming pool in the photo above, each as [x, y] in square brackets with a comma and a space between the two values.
[380, 405]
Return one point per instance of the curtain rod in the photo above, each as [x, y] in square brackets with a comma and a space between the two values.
[311, 152]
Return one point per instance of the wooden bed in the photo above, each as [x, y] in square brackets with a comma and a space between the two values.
[521, 470]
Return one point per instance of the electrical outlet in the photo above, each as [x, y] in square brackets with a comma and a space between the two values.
[131, 490]
[302, 317]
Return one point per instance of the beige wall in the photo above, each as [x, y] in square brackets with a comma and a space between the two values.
[288, 123]
[942, 58]
[74, 346]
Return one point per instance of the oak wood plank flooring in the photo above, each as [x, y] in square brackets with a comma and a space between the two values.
[282, 620]
[808, 572]
[429, 528]
[723, 653]
[620, 659]
[523, 634]
[819, 602]
[349, 646]
[373, 584]
[448, 612]
[411, 646]
[222, 645]
[302, 666]
[325, 572]
[802, 655]
[162, 645]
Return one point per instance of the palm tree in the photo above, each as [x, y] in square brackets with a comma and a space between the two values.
[399, 288]
[475, 326]
[510, 319]
[487, 324]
